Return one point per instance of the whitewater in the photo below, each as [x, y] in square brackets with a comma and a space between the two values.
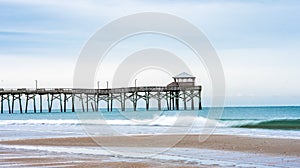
[273, 122]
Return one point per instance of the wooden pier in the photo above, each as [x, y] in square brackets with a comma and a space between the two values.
[89, 99]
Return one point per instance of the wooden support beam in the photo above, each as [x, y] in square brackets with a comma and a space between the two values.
[93, 109]
[124, 101]
[96, 102]
[147, 99]
[82, 102]
[60, 103]
[192, 100]
[184, 100]
[166, 98]
[111, 102]
[170, 100]
[177, 100]
[107, 102]
[28, 98]
[134, 100]
[65, 102]
[13, 104]
[20, 103]
[15, 97]
[26, 105]
[73, 103]
[8, 104]
[87, 103]
[7, 98]
[2, 104]
[34, 104]
[173, 101]
[41, 103]
[200, 104]
[159, 100]
[122, 98]
[49, 104]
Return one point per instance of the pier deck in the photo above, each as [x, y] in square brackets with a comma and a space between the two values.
[89, 98]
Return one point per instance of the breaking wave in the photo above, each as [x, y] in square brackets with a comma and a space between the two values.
[287, 124]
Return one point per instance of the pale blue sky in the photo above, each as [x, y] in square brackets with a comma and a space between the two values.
[257, 41]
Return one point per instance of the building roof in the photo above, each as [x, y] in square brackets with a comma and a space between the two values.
[184, 75]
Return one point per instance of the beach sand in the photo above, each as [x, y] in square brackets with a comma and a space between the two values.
[218, 142]
[266, 146]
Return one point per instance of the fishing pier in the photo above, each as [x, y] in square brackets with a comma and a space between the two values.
[181, 91]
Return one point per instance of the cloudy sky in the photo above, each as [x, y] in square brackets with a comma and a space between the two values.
[257, 42]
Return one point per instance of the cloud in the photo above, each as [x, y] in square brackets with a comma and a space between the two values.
[22, 70]
[263, 71]
[256, 40]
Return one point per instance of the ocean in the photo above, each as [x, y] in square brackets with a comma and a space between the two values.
[264, 122]
[273, 122]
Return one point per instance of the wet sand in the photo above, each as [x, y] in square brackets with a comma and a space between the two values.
[218, 142]
[33, 158]
[266, 146]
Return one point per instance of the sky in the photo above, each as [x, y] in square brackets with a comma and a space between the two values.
[257, 42]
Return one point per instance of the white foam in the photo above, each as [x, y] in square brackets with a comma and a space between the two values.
[38, 122]
[159, 121]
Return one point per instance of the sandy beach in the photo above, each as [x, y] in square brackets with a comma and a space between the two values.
[219, 142]
[251, 145]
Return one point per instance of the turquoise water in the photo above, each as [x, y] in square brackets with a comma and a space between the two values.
[279, 122]
[262, 117]
[287, 117]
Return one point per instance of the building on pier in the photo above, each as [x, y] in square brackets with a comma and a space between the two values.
[183, 80]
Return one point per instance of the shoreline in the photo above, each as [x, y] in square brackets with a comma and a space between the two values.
[271, 146]
[216, 151]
